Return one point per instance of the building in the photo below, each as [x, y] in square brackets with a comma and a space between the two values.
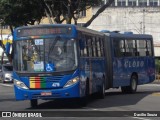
[138, 16]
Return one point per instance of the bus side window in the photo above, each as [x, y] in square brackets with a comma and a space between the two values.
[89, 46]
[119, 49]
[149, 49]
[98, 47]
[130, 48]
[122, 48]
[94, 46]
[82, 44]
[141, 47]
[102, 47]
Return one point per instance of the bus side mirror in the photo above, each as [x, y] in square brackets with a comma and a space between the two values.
[7, 48]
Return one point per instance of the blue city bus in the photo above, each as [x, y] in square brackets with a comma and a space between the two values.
[67, 61]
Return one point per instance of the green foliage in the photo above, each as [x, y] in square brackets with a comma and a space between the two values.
[157, 63]
[24, 12]
[20, 12]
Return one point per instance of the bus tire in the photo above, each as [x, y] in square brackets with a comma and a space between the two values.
[133, 84]
[34, 103]
[132, 88]
[101, 93]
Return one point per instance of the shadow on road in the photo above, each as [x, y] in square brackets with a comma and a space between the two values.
[112, 99]
[7, 99]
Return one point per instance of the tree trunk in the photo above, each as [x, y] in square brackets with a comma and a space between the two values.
[68, 20]
[109, 2]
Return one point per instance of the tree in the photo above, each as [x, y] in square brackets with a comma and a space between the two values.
[70, 9]
[27, 12]
[102, 8]
[20, 12]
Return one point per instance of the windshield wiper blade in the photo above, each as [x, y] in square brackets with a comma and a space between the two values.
[53, 45]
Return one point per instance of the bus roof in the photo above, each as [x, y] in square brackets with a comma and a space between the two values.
[44, 25]
[34, 32]
[89, 30]
[60, 25]
[137, 36]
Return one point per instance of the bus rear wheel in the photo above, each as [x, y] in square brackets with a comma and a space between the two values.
[133, 85]
[132, 88]
[34, 103]
[101, 93]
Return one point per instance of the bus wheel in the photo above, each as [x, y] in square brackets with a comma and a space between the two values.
[34, 103]
[101, 94]
[133, 84]
[132, 88]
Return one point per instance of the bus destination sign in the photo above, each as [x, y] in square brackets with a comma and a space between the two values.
[40, 31]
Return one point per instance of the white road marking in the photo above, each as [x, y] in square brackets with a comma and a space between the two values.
[140, 118]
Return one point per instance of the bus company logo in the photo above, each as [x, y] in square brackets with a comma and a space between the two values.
[133, 64]
[6, 114]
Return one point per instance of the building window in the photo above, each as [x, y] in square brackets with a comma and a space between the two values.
[4, 27]
[142, 3]
[83, 13]
[103, 2]
[132, 3]
[113, 4]
[121, 3]
[153, 3]
[80, 24]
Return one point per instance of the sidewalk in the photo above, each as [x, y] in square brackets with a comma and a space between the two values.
[157, 81]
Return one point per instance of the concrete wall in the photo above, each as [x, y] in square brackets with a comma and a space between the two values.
[136, 19]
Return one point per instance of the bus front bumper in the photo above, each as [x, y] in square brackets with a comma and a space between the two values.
[27, 94]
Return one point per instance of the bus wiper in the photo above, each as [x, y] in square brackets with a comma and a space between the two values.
[53, 44]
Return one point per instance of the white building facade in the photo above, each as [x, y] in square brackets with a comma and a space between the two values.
[137, 16]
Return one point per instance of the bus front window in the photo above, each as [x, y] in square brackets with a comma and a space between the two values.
[45, 55]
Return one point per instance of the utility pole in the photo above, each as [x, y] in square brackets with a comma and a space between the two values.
[143, 21]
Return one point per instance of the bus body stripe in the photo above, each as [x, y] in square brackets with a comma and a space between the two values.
[43, 83]
[32, 82]
[37, 83]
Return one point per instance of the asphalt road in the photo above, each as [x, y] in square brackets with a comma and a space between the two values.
[123, 106]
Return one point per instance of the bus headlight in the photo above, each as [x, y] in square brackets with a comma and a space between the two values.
[71, 82]
[20, 84]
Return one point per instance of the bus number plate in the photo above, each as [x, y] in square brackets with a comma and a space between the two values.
[46, 93]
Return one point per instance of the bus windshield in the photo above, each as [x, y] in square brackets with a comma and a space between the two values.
[45, 55]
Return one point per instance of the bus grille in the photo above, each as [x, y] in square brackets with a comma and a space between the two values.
[54, 79]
